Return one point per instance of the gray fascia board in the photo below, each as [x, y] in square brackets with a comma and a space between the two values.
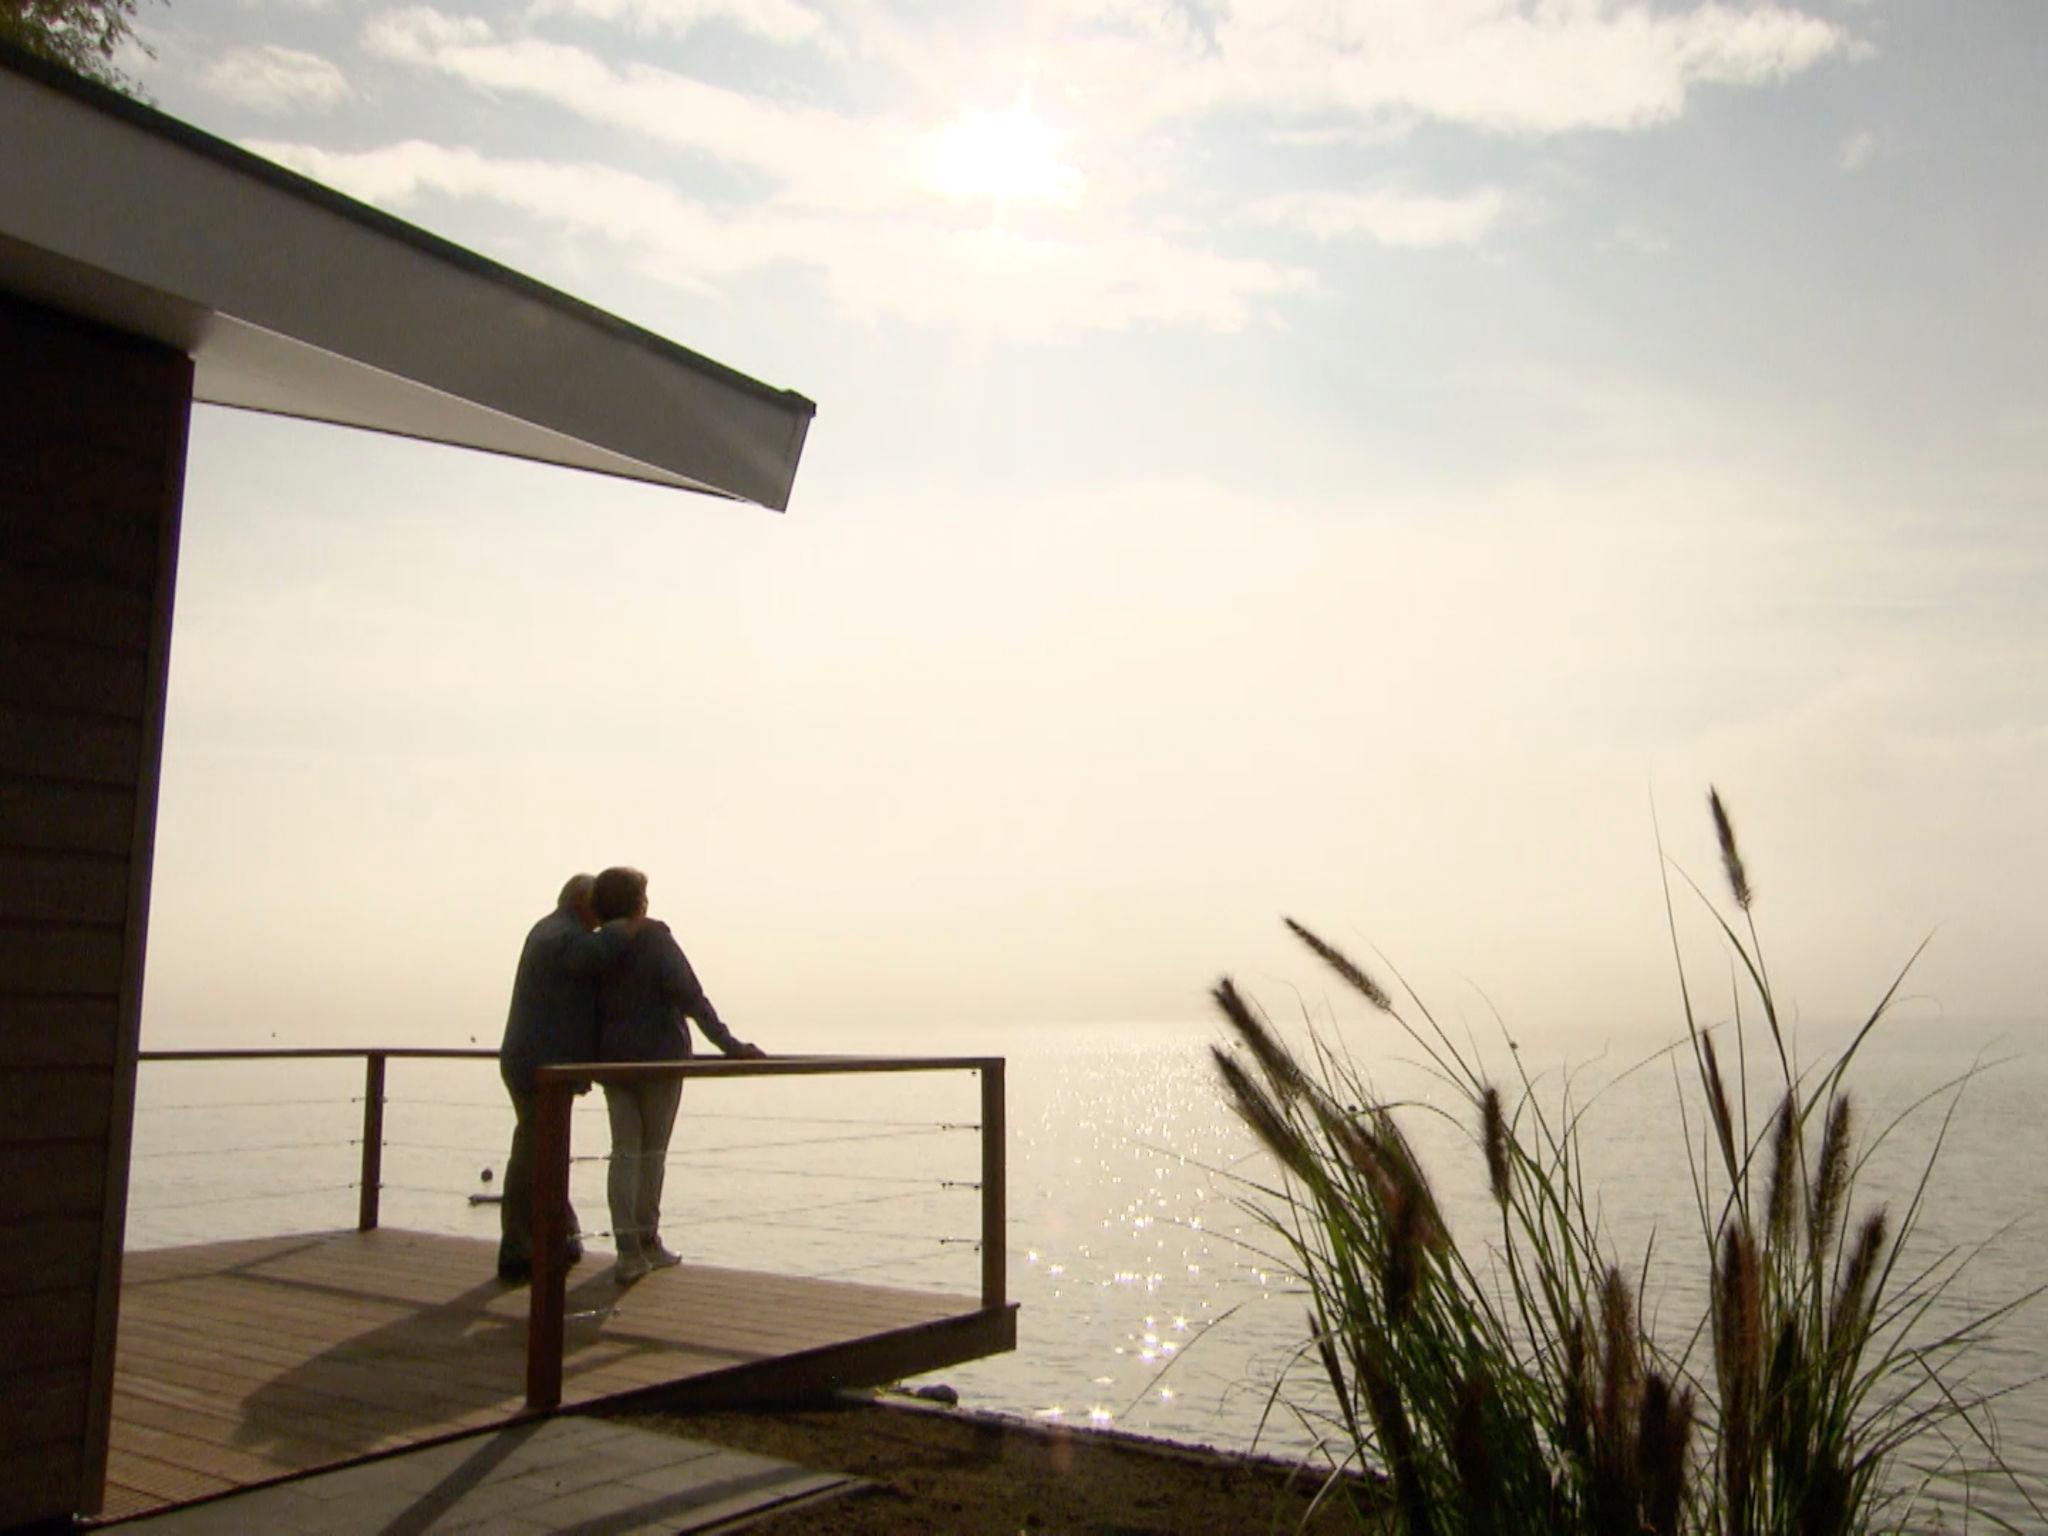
[295, 300]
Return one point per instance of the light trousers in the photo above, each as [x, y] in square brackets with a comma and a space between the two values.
[642, 1115]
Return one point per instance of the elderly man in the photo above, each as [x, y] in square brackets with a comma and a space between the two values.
[553, 1019]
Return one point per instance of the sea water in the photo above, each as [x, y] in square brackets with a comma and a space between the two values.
[1151, 1294]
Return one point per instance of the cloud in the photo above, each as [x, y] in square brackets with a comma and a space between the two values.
[777, 21]
[1642, 240]
[1407, 220]
[1857, 151]
[1552, 67]
[1019, 286]
[1503, 66]
[809, 155]
[1134, 77]
[1097, 210]
[419, 33]
[273, 79]
[1509, 66]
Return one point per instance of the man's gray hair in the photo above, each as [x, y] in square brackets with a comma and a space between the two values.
[576, 894]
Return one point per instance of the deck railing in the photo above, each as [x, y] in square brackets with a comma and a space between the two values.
[555, 1089]
[372, 1178]
[555, 1092]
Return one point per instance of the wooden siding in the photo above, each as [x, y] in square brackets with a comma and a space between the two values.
[92, 441]
[248, 1361]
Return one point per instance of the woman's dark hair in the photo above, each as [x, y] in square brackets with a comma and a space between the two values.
[618, 892]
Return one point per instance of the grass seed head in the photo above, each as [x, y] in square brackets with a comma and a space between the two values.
[1410, 1182]
[1831, 1180]
[1738, 1328]
[1495, 1130]
[1407, 1238]
[1344, 966]
[1256, 1108]
[1663, 1448]
[1471, 1457]
[1717, 1105]
[1738, 1313]
[1784, 1184]
[1851, 1312]
[1621, 1361]
[1274, 1059]
[1731, 856]
[1362, 1150]
[1578, 1394]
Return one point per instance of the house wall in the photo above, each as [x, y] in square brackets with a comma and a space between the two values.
[92, 452]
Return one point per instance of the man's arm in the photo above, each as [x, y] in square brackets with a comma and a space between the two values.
[685, 991]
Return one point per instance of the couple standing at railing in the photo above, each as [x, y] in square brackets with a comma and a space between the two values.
[599, 980]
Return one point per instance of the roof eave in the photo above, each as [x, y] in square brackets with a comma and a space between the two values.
[295, 300]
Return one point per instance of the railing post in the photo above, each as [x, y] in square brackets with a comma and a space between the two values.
[994, 1194]
[550, 1243]
[373, 1140]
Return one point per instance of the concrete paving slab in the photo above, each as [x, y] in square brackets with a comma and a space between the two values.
[570, 1475]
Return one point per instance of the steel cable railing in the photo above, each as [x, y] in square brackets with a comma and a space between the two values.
[555, 1087]
[712, 1157]
[292, 1150]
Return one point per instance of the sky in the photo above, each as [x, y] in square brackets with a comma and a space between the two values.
[1375, 462]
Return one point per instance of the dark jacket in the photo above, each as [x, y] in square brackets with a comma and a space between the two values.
[643, 1000]
[553, 1017]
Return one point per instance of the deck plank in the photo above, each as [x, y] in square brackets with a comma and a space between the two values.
[245, 1361]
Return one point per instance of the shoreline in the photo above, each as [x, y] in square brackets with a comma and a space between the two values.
[936, 1467]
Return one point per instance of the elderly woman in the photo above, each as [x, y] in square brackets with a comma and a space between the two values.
[642, 1002]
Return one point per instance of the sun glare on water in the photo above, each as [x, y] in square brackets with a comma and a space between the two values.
[1005, 157]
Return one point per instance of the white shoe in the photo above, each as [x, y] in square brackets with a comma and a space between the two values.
[658, 1257]
[631, 1267]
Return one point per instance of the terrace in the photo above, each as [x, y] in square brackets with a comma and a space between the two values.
[253, 1359]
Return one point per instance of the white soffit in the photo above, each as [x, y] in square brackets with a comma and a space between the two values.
[295, 300]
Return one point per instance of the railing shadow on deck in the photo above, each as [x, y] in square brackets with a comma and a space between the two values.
[275, 1417]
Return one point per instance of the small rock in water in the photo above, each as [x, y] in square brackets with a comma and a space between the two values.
[936, 1392]
[487, 1175]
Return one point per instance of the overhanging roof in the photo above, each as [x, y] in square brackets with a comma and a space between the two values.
[295, 300]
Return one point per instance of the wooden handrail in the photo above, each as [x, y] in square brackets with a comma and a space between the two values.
[767, 1066]
[327, 1053]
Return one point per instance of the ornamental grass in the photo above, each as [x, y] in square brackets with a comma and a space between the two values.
[1512, 1385]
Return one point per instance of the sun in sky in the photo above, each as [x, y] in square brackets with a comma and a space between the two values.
[1007, 156]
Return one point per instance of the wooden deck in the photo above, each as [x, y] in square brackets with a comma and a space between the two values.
[243, 1362]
